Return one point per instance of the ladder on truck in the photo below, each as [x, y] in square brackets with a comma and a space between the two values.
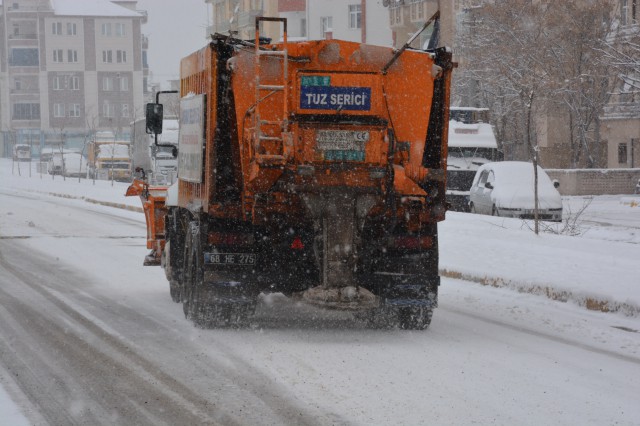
[263, 91]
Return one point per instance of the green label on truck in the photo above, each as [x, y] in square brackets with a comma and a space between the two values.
[316, 80]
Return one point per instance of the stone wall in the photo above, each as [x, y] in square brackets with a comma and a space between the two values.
[595, 181]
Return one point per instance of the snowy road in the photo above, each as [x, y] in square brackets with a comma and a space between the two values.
[89, 336]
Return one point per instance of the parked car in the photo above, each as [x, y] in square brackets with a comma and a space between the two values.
[74, 165]
[55, 165]
[507, 189]
[21, 152]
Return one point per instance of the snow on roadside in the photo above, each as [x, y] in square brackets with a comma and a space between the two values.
[597, 268]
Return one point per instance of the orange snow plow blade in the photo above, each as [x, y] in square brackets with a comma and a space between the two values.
[153, 203]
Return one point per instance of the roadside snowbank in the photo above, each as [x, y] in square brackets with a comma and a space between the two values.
[597, 267]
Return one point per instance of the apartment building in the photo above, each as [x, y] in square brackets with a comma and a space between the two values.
[238, 17]
[363, 21]
[69, 68]
[621, 116]
[408, 16]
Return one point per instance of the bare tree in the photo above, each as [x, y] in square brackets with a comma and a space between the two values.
[584, 76]
[510, 59]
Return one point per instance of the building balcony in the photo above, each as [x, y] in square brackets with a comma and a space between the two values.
[25, 91]
[23, 69]
[29, 8]
[622, 111]
[23, 36]
[144, 14]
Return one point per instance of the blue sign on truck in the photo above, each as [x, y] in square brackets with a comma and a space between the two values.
[335, 97]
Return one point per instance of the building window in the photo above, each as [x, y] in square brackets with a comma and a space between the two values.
[58, 110]
[75, 83]
[107, 56]
[56, 84]
[24, 57]
[107, 84]
[106, 30]
[125, 110]
[74, 110]
[121, 56]
[622, 153]
[108, 109]
[416, 10]
[395, 15]
[56, 28]
[71, 29]
[124, 84]
[18, 85]
[355, 16]
[120, 30]
[72, 55]
[57, 55]
[326, 23]
[26, 111]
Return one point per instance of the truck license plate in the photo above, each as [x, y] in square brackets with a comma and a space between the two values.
[230, 258]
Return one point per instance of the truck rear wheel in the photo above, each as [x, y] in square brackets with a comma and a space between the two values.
[205, 304]
[406, 318]
[414, 318]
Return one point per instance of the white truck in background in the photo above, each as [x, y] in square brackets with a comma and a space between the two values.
[472, 143]
[159, 162]
[109, 158]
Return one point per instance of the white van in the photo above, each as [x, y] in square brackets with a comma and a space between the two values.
[21, 152]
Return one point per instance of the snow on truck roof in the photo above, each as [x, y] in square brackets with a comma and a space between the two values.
[477, 135]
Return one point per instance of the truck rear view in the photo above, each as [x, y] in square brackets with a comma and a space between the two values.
[315, 169]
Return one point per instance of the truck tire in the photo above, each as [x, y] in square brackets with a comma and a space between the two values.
[203, 303]
[414, 318]
[175, 288]
[172, 256]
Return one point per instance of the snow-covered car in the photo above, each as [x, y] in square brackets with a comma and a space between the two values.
[74, 165]
[507, 189]
[21, 152]
[55, 165]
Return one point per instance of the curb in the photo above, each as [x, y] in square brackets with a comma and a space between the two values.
[589, 302]
[98, 202]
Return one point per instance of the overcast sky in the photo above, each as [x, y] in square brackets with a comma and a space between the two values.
[175, 29]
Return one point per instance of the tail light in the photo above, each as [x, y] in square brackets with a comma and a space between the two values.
[297, 244]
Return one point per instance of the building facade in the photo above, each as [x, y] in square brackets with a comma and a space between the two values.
[362, 21]
[408, 16]
[238, 17]
[69, 69]
[621, 117]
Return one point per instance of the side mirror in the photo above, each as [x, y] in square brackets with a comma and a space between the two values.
[488, 185]
[154, 116]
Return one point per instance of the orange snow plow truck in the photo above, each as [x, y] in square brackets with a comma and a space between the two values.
[315, 169]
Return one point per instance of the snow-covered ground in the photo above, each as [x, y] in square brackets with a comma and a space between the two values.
[593, 256]
[598, 262]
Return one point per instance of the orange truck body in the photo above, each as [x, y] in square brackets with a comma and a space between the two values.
[314, 168]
